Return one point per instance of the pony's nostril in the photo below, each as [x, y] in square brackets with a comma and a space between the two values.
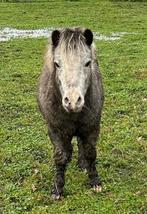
[79, 100]
[66, 101]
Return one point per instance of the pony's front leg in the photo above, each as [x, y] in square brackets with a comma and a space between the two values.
[62, 156]
[89, 146]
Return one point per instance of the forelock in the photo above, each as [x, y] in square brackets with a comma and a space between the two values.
[72, 40]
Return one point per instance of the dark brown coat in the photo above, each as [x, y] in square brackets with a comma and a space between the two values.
[63, 125]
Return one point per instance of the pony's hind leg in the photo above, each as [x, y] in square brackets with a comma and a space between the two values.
[82, 162]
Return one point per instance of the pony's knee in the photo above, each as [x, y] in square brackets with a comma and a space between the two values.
[61, 156]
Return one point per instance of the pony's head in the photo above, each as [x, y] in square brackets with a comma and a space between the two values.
[72, 61]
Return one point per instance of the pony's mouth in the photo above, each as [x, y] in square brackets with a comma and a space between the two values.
[71, 110]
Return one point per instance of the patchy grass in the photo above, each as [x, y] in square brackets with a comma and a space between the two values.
[26, 153]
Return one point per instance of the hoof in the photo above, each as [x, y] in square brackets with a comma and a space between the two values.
[56, 192]
[97, 188]
[56, 197]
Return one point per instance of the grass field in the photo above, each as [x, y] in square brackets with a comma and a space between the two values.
[25, 151]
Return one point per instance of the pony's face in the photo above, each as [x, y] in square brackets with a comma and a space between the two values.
[72, 63]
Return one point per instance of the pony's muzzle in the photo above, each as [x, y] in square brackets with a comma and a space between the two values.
[73, 102]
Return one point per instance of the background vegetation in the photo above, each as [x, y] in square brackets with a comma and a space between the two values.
[26, 153]
[29, 1]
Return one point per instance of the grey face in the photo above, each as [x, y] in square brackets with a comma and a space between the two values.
[72, 60]
[73, 70]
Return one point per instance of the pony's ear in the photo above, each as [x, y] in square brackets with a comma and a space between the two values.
[88, 36]
[55, 37]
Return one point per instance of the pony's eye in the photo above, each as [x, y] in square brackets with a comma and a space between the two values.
[57, 65]
[88, 63]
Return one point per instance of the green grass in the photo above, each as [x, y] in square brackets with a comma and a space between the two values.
[26, 153]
